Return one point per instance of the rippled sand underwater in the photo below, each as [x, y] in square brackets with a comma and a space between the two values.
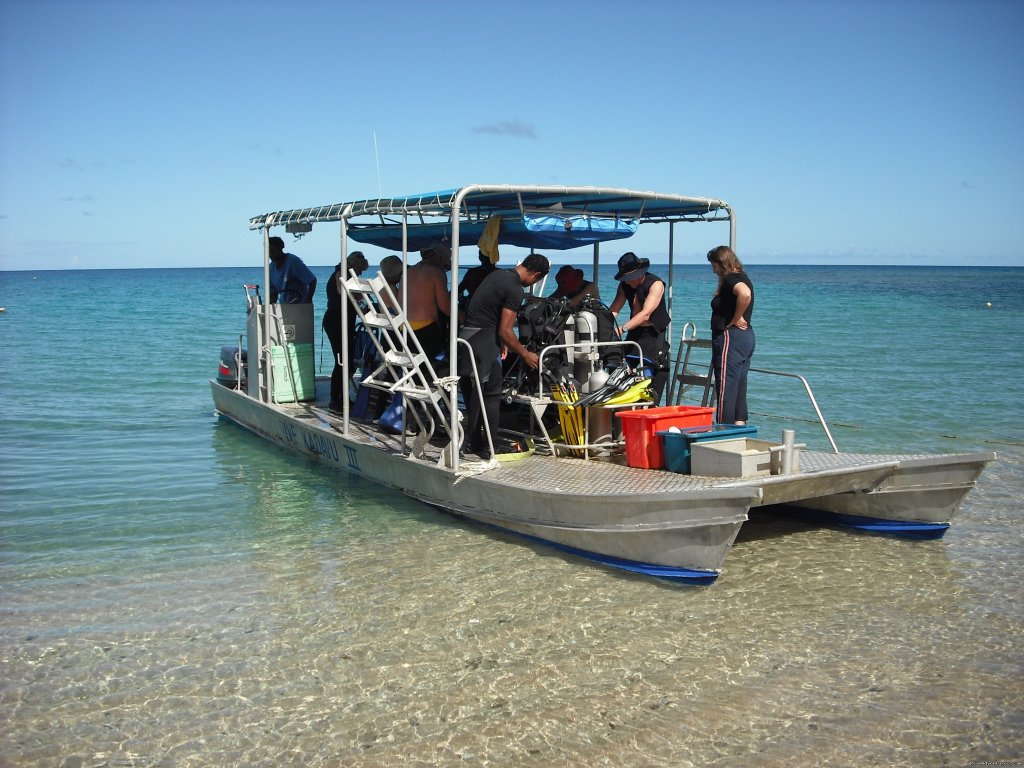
[175, 592]
[424, 641]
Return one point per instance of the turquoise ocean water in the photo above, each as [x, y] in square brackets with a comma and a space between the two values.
[176, 592]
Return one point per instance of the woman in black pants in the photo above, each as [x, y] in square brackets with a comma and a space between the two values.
[732, 336]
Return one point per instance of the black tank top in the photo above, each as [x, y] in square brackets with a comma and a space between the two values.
[659, 317]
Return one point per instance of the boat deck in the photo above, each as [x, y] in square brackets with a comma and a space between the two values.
[820, 473]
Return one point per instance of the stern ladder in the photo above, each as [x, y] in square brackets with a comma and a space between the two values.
[687, 374]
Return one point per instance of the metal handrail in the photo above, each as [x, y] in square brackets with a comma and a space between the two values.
[689, 335]
[810, 395]
[238, 365]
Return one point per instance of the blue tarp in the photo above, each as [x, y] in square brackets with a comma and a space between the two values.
[550, 232]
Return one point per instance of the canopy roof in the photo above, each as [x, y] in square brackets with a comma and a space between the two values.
[531, 216]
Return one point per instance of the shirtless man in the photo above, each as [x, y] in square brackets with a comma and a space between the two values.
[427, 288]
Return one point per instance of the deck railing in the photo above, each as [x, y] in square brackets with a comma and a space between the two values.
[810, 395]
[683, 377]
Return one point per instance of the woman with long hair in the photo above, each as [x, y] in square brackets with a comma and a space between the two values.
[732, 336]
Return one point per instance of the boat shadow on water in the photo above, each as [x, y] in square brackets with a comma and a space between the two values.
[272, 479]
[782, 521]
[765, 524]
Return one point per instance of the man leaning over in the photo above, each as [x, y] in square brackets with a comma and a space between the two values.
[490, 329]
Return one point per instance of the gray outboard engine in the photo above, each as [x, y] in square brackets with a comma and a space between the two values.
[232, 371]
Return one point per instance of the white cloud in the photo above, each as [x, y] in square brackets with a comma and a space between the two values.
[508, 128]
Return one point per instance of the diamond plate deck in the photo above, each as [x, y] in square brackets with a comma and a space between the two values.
[606, 477]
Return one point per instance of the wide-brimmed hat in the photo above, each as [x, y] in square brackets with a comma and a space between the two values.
[569, 278]
[391, 268]
[441, 248]
[631, 267]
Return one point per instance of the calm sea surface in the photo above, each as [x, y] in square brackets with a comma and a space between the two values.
[176, 592]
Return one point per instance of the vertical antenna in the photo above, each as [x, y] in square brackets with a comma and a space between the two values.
[376, 155]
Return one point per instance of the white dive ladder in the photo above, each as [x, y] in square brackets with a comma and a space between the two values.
[405, 369]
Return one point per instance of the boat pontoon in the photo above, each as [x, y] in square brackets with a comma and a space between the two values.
[579, 490]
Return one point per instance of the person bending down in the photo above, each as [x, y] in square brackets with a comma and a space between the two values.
[648, 316]
[490, 329]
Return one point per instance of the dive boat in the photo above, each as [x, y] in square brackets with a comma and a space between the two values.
[596, 490]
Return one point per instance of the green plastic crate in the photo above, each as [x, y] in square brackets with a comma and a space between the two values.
[293, 363]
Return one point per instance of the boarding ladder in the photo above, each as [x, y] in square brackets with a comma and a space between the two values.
[404, 367]
[687, 373]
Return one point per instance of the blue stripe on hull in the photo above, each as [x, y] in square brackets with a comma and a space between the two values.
[687, 576]
[681, 575]
[904, 529]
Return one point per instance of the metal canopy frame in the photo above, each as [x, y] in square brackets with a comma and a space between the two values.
[476, 203]
[479, 202]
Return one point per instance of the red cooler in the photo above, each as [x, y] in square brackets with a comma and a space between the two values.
[640, 428]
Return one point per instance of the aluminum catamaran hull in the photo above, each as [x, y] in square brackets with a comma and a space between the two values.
[653, 522]
[582, 497]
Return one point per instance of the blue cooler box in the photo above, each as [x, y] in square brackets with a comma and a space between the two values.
[676, 445]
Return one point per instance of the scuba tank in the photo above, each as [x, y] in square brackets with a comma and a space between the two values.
[568, 336]
[597, 380]
[586, 357]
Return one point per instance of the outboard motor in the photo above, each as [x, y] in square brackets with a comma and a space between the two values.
[228, 373]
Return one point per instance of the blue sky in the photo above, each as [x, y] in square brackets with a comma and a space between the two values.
[145, 134]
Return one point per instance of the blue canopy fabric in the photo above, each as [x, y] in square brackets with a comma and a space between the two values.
[529, 231]
[554, 217]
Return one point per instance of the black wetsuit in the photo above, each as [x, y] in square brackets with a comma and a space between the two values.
[500, 290]
[332, 327]
[471, 281]
[651, 338]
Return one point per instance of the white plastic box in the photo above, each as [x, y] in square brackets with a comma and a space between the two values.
[734, 457]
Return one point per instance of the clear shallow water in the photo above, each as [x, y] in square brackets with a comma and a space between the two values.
[175, 592]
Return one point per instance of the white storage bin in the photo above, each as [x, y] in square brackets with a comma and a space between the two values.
[734, 457]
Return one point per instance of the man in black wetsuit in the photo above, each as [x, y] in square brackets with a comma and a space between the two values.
[332, 326]
[471, 281]
[648, 316]
[490, 329]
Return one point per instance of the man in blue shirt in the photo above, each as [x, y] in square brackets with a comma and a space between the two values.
[291, 281]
